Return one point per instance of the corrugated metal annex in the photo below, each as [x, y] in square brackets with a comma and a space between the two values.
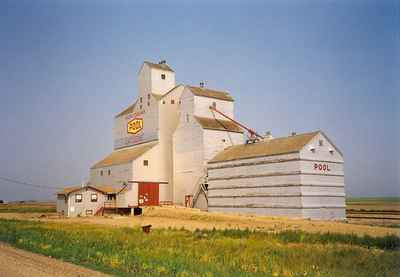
[300, 176]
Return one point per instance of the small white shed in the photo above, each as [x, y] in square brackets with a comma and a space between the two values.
[298, 176]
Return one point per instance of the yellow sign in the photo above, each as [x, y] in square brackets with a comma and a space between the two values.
[135, 125]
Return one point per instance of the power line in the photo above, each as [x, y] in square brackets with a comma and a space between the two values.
[27, 184]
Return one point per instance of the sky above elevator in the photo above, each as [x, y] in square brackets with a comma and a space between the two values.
[67, 67]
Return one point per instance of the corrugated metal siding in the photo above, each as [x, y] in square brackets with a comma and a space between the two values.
[284, 185]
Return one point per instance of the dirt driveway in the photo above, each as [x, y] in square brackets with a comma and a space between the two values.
[16, 262]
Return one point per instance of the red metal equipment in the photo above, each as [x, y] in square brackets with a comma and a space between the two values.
[253, 136]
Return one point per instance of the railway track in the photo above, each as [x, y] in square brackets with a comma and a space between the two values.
[373, 214]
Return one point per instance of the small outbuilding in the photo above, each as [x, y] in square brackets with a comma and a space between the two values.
[298, 176]
[86, 200]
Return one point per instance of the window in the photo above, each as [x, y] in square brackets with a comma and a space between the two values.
[223, 140]
[321, 142]
[101, 172]
[172, 101]
[163, 101]
[163, 76]
[78, 198]
[141, 100]
[187, 117]
[180, 102]
[148, 103]
[146, 162]
[93, 197]
[214, 104]
[148, 96]
[89, 212]
[140, 106]
[109, 172]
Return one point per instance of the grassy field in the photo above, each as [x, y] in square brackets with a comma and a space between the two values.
[28, 207]
[178, 252]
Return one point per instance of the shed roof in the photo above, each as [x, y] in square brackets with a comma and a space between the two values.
[127, 110]
[123, 156]
[277, 146]
[205, 92]
[218, 124]
[102, 189]
[163, 66]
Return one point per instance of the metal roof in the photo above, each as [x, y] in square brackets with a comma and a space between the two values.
[102, 189]
[218, 124]
[127, 110]
[163, 66]
[123, 156]
[205, 92]
[277, 146]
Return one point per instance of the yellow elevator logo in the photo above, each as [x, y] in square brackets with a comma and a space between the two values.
[135, 125]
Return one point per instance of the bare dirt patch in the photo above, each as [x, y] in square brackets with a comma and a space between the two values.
[16, 262]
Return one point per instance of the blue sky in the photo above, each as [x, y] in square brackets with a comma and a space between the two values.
[67, 67]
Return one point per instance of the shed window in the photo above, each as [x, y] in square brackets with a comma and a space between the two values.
[163, 76]
[93, 197]
[78, 198]
[146, 162]
[109, 172]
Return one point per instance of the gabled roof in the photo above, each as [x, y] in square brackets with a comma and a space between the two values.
[205, 92]
[123, 156]
[159, 66]
[277, 146]
[218, 124]
[127, 110]
[102, 189]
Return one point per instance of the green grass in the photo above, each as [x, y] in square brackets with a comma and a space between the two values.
[171, 252]
[27, 208]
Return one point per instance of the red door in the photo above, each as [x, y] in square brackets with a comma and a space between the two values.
[148, 194]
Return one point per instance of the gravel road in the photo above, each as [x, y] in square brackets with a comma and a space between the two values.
[16, 262]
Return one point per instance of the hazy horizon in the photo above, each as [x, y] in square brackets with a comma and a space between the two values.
[69, 66]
